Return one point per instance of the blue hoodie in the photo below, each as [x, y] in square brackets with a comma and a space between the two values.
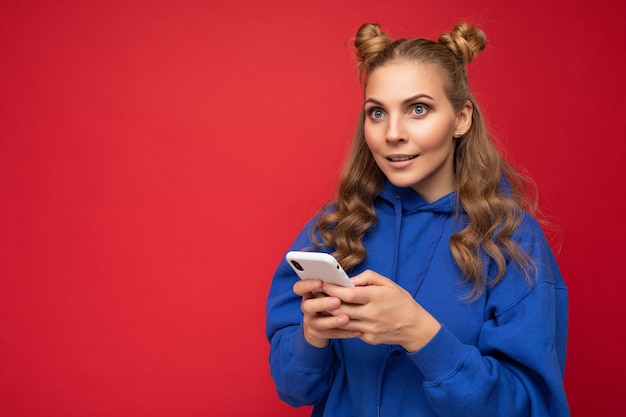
[500, 355]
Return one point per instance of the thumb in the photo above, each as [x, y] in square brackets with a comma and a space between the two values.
[369, 278]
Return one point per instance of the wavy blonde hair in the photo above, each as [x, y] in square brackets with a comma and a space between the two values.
[493, 210]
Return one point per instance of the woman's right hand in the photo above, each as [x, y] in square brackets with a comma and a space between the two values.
[318, 323]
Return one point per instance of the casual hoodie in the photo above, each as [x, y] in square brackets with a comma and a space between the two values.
[500, 355]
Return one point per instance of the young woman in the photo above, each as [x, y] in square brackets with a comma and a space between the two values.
[458, 308]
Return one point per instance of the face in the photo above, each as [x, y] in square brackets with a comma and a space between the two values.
[410, 126]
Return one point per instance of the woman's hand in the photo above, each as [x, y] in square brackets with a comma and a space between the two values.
[319, 323]
[379, 309]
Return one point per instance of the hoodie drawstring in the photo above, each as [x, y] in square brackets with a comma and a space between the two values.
[423, 263]
[397, 204]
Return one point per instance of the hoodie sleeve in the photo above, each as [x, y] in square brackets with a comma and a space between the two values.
[517, 366]
[302, 373]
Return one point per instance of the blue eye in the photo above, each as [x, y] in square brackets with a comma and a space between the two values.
[419, 110]
[377, 113]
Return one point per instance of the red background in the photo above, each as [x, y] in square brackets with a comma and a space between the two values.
[157, 158]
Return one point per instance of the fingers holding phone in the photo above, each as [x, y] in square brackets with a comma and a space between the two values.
[314, 269]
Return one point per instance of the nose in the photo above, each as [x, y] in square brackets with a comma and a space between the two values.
[395, 129]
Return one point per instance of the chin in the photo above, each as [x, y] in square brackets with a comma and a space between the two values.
[402, 183]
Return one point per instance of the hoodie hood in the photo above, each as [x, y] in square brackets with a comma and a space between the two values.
[411, 229]
[411, 201]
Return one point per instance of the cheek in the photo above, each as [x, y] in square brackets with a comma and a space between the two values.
[435, 136]
[370, 137]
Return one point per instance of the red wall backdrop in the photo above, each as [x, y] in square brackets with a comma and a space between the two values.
[157, 158]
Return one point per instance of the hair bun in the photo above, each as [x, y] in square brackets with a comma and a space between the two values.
[464, 41]
[369, 42]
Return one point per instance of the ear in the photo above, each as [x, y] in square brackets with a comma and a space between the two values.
[463, 120]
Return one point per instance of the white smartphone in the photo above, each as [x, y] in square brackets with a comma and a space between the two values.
[318, 265]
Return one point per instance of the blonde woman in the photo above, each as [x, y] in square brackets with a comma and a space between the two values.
[459, 308]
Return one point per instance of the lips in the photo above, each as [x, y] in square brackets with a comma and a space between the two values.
[401, 158]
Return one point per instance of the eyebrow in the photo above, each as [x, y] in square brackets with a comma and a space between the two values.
[405, 101]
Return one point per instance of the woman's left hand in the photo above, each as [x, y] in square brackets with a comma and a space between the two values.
[384, 312]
